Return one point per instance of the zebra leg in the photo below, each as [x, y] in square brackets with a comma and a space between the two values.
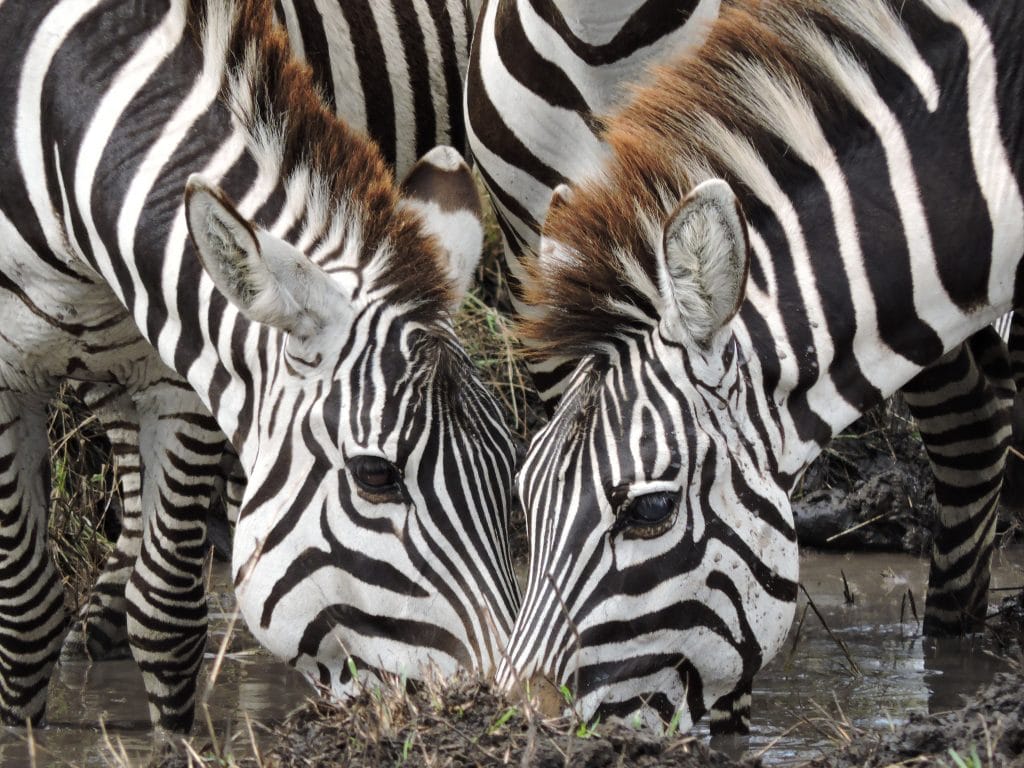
[1012, 495]
[962, 405]
[101, 631]
[31, 597]
[181, 449]
[730, 715]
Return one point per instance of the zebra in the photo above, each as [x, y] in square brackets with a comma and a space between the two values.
[768, 252]
[540, 77]
[311, 320]
[424, 49]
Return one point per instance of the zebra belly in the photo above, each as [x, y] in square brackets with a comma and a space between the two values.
[81, 332]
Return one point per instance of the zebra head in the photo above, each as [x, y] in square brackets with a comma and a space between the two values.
[662, 554]
[373, 531]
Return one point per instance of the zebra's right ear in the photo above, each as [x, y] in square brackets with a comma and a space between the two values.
[268, 280]
[704, 264]
[441, 188]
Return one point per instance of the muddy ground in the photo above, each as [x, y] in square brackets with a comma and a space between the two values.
[463, 723]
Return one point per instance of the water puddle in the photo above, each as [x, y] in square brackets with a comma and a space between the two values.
[811, 685]
[249, 683]
[797, 699]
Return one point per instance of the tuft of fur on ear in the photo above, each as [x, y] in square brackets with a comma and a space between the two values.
[270, 281]
[441, 188]
[705, 261]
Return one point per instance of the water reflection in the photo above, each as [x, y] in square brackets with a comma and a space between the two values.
[83, 695]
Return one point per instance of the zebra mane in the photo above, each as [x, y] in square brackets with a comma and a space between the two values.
[746, 107]
[335, 177]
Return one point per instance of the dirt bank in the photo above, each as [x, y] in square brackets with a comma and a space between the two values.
[463, 724]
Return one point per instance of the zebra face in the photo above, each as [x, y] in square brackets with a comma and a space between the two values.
[663, 560]
[386, 546]
[373, 532]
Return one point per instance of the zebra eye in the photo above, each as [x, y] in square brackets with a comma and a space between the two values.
[375, 475]
[646, 516]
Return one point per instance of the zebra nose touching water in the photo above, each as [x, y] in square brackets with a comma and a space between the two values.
[295, 295]
[818, 207]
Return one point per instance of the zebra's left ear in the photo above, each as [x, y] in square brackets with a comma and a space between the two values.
[441, 188]
[705, 261]
[268, 280]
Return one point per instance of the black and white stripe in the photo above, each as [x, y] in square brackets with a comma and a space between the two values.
[379, 467]
[868, 232]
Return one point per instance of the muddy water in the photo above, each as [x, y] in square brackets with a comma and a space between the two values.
[796, 699]
[801, 694]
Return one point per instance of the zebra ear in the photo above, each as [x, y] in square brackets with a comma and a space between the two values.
[552, 253]
[441, 188]
[269, 281]
[706, 257]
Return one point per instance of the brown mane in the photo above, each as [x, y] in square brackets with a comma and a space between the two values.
[287, 102]
[673, 133]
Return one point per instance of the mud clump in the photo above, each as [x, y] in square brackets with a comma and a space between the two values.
[464, 723]
[989, 731]
[871, 488]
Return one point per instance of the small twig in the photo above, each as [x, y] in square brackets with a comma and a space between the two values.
[837, 640]
[796, 635]
[252, 740]
[576, 670]
[218, 660]
[858, 526]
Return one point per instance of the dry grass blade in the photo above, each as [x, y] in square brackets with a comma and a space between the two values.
[83, 497]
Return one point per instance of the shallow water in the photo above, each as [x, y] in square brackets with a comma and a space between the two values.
[808, 685]
[811, 684]
[249, 682]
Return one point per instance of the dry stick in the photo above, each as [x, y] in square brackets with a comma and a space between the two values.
[218, 660]
[771, 744]
[252, 740]
[796, 636]
[122, 757]
[858, 526]
[837, 640]
[213, 734]
[31, 743]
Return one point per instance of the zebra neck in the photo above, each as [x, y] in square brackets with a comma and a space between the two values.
[601, 47]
